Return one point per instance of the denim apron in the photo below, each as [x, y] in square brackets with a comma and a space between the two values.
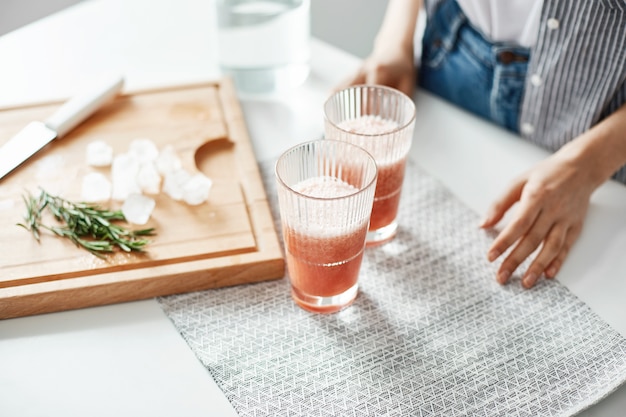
[461, 66]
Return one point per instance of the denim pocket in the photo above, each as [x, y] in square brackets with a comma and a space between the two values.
[507, 98]
[441, 33]
[455, 72]
[433, 48]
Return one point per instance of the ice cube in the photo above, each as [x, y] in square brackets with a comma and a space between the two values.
[124, 172]
[148, 178]
[144, 150]
[196, 189]
[137, 208]
[174, 183]
[99, 153]
[95, 188]
[168, 160]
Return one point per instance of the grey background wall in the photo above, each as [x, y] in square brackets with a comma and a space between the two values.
[17, 13]
[347, 24]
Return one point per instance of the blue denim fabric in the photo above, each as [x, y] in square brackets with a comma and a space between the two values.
[461, 66]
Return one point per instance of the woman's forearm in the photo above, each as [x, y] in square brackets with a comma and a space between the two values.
[601, 150]
[398, 26]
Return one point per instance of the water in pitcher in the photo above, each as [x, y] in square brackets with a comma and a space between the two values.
[264, 44]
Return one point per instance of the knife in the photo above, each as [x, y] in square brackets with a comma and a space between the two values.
[38, 134]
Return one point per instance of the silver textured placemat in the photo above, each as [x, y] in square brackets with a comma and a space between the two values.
[430, 334]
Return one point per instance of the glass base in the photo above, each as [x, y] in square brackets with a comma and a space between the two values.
[332, 304]
[383, 235]
[267, 80]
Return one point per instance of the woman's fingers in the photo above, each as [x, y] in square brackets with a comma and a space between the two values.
[521, 225]
[555, 266]
[529, 229]
[551, 248]
[554, 250]
[503, 204]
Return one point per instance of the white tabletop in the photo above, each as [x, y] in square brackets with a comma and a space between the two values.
[128, 359]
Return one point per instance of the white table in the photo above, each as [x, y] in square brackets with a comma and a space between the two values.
[128, 359]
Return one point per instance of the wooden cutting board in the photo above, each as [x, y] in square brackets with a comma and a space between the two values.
[227, 241]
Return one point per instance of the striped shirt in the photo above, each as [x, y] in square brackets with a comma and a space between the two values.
[577, 71]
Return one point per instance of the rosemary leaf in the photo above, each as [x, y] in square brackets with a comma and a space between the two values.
[88, 226]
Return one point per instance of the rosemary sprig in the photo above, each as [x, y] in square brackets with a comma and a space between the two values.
[89, 226]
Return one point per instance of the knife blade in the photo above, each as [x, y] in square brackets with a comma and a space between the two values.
[37, 134]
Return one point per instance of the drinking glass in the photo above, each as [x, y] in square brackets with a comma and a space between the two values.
[325, 195]
[381, 120]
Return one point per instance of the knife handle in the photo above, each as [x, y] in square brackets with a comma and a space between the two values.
[81, 106]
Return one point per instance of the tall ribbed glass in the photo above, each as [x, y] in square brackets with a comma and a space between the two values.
[325, 195]
[381, 120]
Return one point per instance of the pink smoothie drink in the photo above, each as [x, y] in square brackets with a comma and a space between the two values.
[323, 260]
[387, 196]
[380, 120]
[390, 168]
[325, 194]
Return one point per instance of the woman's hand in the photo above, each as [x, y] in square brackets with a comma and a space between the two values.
[553, 200]
[391, 62]
[393, 67]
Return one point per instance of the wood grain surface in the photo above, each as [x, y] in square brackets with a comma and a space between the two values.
[229, 240]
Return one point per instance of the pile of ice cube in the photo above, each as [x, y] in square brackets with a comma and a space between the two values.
[142, 171]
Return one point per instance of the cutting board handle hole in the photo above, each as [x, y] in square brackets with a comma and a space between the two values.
[216, 159]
